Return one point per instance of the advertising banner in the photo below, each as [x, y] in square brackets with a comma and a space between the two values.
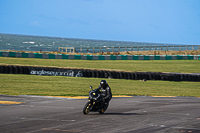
[56, 72]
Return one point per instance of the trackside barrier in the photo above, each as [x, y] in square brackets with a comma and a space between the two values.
[99, 57]
[89, 73]
[128, 49]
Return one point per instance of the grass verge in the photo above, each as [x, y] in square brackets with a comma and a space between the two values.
[11, 84]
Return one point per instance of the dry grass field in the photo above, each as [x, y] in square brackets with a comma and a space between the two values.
[186, 52]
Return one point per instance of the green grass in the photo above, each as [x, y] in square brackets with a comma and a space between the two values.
[182, 66]
[69, 86]
[11, 84]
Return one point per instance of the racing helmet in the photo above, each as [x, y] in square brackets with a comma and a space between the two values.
[103, 83]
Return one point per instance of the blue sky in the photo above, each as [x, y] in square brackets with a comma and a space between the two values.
[153, 21]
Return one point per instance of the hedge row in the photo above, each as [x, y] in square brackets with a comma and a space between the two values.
[10, 69]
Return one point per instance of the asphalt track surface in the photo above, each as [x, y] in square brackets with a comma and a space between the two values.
[127, 114]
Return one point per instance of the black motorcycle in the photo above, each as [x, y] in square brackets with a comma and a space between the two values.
[95, 103]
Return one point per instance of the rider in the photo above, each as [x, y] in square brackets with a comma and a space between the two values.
[105, 91]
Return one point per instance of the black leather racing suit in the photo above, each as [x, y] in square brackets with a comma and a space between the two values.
[106, 93]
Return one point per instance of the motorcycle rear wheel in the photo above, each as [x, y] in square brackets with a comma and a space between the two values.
[86, 108]
[103, 109]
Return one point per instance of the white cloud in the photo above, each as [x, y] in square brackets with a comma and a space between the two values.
[35, 23]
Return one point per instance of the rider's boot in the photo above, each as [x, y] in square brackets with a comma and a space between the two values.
[105, 106]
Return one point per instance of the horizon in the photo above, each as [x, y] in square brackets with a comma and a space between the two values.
[91, 39]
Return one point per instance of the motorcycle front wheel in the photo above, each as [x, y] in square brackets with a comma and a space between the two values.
[86, 108]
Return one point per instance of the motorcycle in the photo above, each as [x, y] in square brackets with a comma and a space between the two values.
[95, 102]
